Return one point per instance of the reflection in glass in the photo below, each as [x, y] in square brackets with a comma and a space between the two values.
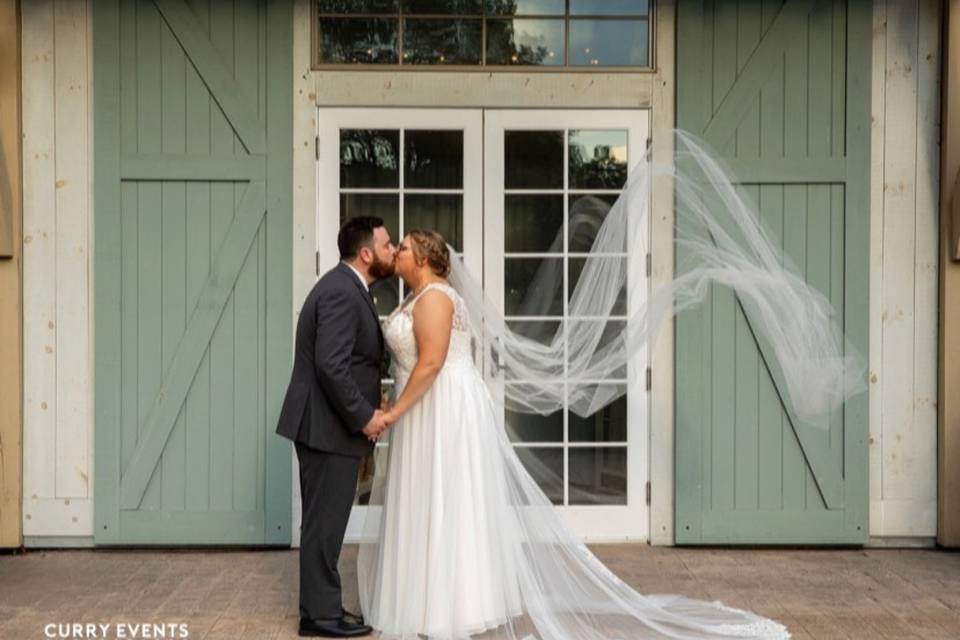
[533, 427]
[609, 424]
[442, 213]
[358, 6]
[358, 41]
[386, 295]
[533, 223]
[586, 214]
[542, 331]
[382, 205]
[434, 159]
[433, 41]
[598, 159]
[609, 7]
[368, 158]
[533, 159]
[611, 337]
[526, 7]
[533, 286]
[598, 475]
[609, 43]
[525, 42]
[440, 7]
[546, 467]
[611, 264]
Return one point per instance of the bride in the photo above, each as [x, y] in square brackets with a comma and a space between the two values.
[461, 540]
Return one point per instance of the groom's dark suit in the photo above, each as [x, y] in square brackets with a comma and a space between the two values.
[334, 390]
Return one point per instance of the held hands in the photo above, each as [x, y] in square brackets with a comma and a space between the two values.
[379, 423]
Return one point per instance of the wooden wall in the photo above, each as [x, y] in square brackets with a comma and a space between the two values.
[57, 314]
[948, 533]
[11, 260]
[903, 285]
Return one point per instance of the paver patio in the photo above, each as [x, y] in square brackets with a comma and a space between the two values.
[868, 593]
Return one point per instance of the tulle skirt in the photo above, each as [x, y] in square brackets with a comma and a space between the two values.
[460, 541]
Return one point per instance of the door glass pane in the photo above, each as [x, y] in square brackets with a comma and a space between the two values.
[358, 6]
[442, 213]
[543, 331]
[524, 295]
[598, 475]
[527, 427]
[437, 7]
[358, 40]
[382, 205]
[607, 265]
[609, 43]
[598, 159]
[585, 214]
[433, 159]
[368, 158]
[611, 337]
[439, 42]
[533, 223]
[609, 424]
[609, 7]
[525, 7]
[546, 467]
[525, 42]
[533, 159]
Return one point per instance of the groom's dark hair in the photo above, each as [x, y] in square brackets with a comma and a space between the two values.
[356, 233]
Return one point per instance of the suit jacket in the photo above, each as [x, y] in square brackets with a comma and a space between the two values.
[335, 385]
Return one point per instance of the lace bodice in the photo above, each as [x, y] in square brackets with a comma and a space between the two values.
[398, 332]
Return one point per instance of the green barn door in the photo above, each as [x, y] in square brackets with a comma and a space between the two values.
[782, 91]
[192, 270]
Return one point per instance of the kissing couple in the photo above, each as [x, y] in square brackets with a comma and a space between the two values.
[465, 540]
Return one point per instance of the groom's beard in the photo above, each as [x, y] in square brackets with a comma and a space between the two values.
[380, 269]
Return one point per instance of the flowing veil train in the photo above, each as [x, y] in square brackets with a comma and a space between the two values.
[564, 591]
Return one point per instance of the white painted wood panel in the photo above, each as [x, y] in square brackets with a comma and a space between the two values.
[903, 335]
[58, 357]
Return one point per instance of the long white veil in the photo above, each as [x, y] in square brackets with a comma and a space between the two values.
[566, 593]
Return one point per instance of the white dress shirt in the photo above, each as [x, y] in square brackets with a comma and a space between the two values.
[363, 280]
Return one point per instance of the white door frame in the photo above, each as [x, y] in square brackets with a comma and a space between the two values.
[600, 523]
[483, 240]
[329, 123]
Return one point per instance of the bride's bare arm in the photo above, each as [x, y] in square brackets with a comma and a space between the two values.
[432, 323]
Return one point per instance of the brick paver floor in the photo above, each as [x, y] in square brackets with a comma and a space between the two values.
[874, 593]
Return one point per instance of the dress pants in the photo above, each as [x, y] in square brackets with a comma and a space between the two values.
[328, 484]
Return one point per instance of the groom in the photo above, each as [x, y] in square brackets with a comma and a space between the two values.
[331, 414]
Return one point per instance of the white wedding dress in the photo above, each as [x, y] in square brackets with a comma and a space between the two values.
[461, 541]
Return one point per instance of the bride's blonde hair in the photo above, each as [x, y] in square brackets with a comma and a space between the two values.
[431, 246]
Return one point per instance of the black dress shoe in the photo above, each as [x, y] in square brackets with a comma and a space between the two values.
[351, 617]
[338, 628]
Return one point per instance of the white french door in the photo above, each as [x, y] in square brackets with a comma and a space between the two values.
[549, 177]
[507, 189]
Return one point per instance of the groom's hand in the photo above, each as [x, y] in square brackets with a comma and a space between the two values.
[376, 426]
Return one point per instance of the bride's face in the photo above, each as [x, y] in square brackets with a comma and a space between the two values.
[406, 262]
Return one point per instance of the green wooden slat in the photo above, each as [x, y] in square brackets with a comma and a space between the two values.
[722, 406]
[107, 270]
[795, 94]
[778, 527]
[724, 63]
[279, 276]
[857, 258]
[782, 171]
[197, 467]
[178, 166]
[820, 100]
[748, 36]
[762, 62]
[163, 411]
[174, 276]
[149, 227]
[222, 207]
[746, 403]
[794, 242]
[236, 104]
[839, 77]
[770, 412]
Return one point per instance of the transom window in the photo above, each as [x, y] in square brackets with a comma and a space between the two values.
[498, 33]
